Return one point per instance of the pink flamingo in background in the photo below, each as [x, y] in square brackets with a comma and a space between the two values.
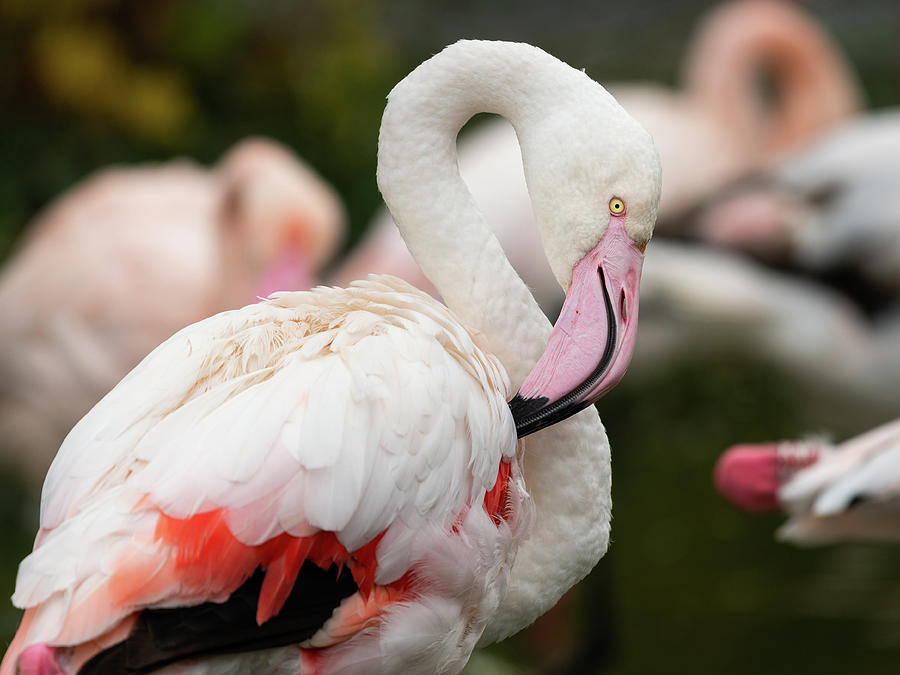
[849, 491]
[330, 481]
[127, 257]
[720, 125]
[833, 209]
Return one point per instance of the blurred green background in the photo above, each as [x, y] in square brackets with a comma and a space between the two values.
[690, 585]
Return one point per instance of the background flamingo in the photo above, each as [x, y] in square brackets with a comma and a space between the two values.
[831, 212]
[722, 125]
[125, 258]
[849, 491]
[699, 300]
[365, 428]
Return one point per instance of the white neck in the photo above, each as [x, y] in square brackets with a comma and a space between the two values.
[567, 466]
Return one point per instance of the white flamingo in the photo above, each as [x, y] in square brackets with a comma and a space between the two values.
[849, 491]
[129, 256]
[329, 481]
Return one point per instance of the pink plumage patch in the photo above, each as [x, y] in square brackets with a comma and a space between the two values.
[38, 660]
[210, 560]
[496, 500]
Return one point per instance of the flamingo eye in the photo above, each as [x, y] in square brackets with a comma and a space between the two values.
[616, 206]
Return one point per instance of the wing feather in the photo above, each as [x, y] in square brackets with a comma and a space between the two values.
[877, 479]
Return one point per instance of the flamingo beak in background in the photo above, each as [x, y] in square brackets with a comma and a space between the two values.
[290, 271]
[748, 477]
[751, 476]
[593, 339]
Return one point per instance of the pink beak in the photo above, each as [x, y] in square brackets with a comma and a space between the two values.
[747, 476]
[751, 476]
[592, 341]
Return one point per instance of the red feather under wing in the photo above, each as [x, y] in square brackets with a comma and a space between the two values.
[210, 561]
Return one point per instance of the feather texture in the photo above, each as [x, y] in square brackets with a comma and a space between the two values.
[238, 435]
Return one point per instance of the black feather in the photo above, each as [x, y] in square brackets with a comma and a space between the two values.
[163, 636]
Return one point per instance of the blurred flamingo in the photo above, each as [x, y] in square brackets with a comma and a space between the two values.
[723, 123]
[715, 130]
[330, 481]
[695, 299]
[831, 492]
[132, 254]
[832, 211]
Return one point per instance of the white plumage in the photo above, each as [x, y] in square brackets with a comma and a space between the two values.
[271, 416]
[832, 208]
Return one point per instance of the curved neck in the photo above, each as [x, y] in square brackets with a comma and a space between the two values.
[813, 85]
[419, 177]
[566, 466]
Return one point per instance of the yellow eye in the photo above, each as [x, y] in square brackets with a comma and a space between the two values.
[616, 206]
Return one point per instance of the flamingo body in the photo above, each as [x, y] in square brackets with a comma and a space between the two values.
[829, 210]
[329, 481]
[698, 298]
[126, 258]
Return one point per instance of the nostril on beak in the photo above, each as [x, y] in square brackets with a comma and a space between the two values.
[622, 309]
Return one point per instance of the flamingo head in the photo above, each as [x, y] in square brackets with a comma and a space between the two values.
[596, 206]
[281, 222]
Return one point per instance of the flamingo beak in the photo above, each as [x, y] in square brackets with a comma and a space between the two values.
[751, 476]
[592, 341]
[748, 477]
[290, 271]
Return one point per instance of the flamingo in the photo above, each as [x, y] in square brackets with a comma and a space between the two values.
[831, 492]
[131, 255]
[697, 299]
[330, 481]
[719, 126]
[831, 211]
[713, 131]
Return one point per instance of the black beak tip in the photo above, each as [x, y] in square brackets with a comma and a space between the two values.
[525, 411]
